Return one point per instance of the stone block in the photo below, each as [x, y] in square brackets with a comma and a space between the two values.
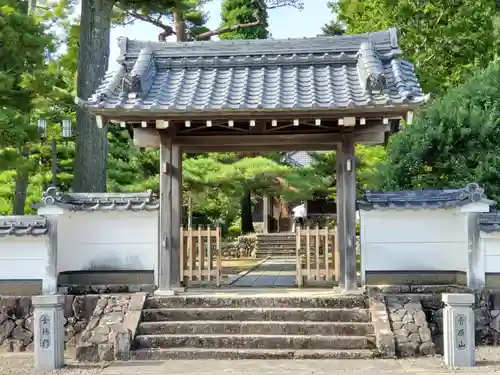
[427, 348]
[6, 329]
[105, 352]
[87, 352]
[425, 334]
[122, 341]
[420, 318]
[407, 349]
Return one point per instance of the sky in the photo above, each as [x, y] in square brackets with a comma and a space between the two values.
[284, 23]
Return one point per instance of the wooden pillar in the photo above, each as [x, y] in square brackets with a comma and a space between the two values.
[170, 216]
[265, 212]
[349, 210]
[340, 258]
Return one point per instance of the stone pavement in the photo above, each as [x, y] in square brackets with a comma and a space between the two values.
[274, 272]
[489, 362]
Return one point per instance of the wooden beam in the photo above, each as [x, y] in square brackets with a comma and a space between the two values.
[165, 228]
[150, 137]
[169, 270]
[281, 114]
[340, 240]
[176, 223]
[349, 211]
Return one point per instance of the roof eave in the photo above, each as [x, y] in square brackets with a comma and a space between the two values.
[397, 108]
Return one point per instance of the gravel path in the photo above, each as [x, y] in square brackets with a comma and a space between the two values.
[489, 361]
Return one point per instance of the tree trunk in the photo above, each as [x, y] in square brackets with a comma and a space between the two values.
[91, 142]
[180, 26]
[22, 180]
[246, 213]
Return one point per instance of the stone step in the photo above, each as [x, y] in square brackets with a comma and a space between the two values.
[333, 302]
[276, 252]
[261, 328]
[249, 354]
[257, 314]
[274, 242]
[255, 341]
[275, 248]
[271, 247]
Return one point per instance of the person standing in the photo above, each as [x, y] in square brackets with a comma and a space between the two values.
[299, 215]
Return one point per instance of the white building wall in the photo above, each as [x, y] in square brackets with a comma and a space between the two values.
[490, 250]
[107, 241]
[24, 258]
[414, 240]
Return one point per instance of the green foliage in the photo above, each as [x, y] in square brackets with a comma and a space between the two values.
[23, 46]
[239, 12]
[456, 140]
[444, 38]
[368, 160]
[234, 231]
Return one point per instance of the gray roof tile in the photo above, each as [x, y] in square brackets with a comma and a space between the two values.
[92, 202]
[324, 72]
[489, 222]
[23, 226]
[428, 199]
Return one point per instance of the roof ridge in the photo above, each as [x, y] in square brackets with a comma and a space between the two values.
[383, 40]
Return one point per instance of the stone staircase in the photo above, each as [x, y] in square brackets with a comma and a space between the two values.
[276, 244]
[238, 327]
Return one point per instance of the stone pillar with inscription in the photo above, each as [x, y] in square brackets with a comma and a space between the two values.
[49, 331]
[458, 327]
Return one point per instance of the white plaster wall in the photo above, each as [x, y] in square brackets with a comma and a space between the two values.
[414, 240]
[490, 248]
[24, 258]
[107, 241]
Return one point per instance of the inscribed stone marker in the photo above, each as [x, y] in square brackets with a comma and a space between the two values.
[458, 322]
[49, 331]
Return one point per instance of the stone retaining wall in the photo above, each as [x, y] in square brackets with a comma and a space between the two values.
[486, 314]
[16, 321]
[242, 247]
[404, 302]
[111, 329]
[409, 325]
[91, 321]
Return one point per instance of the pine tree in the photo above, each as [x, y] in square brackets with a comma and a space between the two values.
[238, 12]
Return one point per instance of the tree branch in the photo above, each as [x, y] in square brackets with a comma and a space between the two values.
[228, 29]
[169, 30]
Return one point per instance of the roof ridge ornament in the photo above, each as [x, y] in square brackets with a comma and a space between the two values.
[138, 82]
[52, 195]
[370, 69]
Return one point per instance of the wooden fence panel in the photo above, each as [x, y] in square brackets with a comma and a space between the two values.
[201, 255]
[315, 256]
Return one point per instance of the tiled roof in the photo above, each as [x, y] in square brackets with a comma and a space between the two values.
[91, 202]
[428, 199]
[489, 222]
[340, 72]
[23, 226]
[300, 158]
